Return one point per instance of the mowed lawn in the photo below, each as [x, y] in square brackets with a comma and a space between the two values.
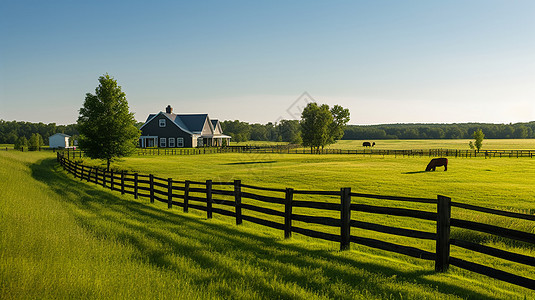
[71, 239]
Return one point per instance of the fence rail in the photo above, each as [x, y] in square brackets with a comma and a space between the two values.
[281, 204]
[289, 150]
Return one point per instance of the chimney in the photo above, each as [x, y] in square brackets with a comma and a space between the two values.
[169, 109]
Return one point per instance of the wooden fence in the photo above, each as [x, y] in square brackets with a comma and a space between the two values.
[289, 150]
[204, 196]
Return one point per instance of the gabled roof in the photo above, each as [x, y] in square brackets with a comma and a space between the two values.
[172, 117]
[217, 126]
[60, 134]
[194, 122]
[191, 123]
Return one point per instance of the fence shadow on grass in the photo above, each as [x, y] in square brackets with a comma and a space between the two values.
[225, 252]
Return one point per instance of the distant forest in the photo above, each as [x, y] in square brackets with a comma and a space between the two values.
[10, 131]
[289, 131]
[439, 131]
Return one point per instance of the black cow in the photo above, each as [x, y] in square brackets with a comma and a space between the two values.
[366, 144]
[437, 162]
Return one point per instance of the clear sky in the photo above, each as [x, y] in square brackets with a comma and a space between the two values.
[387, 61]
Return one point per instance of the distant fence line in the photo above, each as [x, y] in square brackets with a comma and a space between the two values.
[204, 196]
[371, 152]
[293, 149]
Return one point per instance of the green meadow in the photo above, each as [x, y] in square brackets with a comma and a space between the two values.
[488, 144]
[64, 238]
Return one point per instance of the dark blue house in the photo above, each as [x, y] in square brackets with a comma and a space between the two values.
[169, 130]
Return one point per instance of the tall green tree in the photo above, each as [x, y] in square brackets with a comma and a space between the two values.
[21, 143]
[337, 127]
[321, 125]
[478, 136]
[34, 142]
[106, 126]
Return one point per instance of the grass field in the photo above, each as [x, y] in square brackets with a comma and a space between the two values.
[488, 144]
[68, 239]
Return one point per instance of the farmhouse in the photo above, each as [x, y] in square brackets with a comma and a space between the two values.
[59, 140]
[170, 130]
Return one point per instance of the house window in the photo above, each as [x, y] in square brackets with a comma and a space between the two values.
[163, 143]
[171, 142]
[180, 142]
[162, 122]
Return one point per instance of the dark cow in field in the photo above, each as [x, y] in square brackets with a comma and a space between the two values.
[437, 162]
[368, 144]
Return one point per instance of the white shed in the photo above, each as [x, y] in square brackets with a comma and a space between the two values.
[59, 140]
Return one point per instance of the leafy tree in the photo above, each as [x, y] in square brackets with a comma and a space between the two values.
[34, 142]
[290, 131]
[478, 136]
[340, 119]
[321, 126]
[106, 126]
[21, 143]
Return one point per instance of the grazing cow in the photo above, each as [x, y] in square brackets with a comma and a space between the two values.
[366, 144]
[437, 162]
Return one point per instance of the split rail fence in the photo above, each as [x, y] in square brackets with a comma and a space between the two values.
[207, 196]
[288, 150]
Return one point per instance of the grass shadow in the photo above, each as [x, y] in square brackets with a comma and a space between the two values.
[415, 172]
[211, 246]
[251, 162]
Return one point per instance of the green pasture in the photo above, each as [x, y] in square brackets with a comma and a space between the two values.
[4, 146]
[488, 144]
[462, 144]
[70, 239]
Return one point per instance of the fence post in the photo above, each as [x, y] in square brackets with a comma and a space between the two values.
[169, 193]
[288, 213]
[151, 180]
[96, 175]
[104, 178]
[135, 185]
[112, 180]
[122, 182]
[209, 199]
[443, 234]
[345, 218]
[82, 175]
[237, 201]
[186, 195]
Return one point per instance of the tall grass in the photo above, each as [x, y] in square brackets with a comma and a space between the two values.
[62, 238]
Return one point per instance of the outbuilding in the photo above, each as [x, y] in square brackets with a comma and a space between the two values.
[59, 140]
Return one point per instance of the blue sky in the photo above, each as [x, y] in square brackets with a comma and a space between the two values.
[387, 61]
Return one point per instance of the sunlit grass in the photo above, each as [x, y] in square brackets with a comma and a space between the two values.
[488, 144]
[70, 239]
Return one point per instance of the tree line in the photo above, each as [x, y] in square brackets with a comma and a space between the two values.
[439, 131]
[290, 131]
[12, 131]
